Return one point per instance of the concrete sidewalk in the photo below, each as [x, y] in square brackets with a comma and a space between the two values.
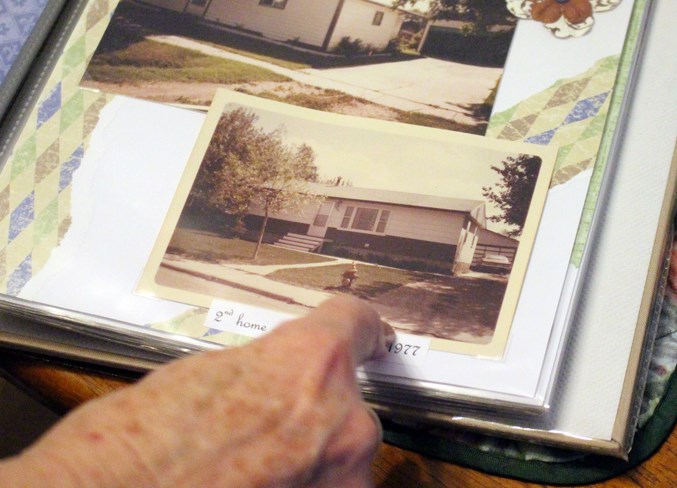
[271, 268]
[251, 282]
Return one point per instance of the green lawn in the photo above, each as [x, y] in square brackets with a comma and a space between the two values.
[323, 99]
[211, 248]
[287, 56]
[328, 100]
[263, 51]
[146, 61]
[371, 282]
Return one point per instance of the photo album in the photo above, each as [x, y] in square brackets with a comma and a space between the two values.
[194, 173]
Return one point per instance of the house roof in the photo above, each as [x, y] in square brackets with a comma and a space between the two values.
[395, 197]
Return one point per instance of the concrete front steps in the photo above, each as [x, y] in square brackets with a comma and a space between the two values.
[299, 242]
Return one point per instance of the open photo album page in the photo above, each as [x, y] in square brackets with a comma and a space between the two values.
[236, 162]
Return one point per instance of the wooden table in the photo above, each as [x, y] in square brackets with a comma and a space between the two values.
[64, 387]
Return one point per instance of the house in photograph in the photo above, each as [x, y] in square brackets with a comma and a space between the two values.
[369, 223]
[317, 23]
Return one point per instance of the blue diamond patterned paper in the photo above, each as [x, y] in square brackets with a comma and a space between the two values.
[543, 139]
[22, 216]
[50, 106]
[212, 332]
[20, 276]
[585, 109]
[69, 167]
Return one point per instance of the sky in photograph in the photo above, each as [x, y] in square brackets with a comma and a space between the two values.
[375, 159]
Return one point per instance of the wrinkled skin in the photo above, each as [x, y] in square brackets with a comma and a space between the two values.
[282, 411]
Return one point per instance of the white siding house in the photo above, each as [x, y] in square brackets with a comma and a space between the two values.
[318, 23]
[372, 21]
[404, 226]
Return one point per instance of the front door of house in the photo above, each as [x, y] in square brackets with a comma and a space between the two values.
[319, 226]
[196, 7]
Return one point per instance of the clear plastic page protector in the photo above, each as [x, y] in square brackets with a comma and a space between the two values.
[390, 201]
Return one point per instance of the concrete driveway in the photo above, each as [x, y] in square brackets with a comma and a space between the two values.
[440, 85]
[429, 86]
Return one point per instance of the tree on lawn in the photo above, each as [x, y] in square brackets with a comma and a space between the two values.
[482, 13]
[246, 166]
[234, 139]
[282, 181]
[512, 195]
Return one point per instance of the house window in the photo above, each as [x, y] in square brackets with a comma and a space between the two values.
[382, 221]
[378, 18]
[273, 3]
[346, 217]
[365, 219]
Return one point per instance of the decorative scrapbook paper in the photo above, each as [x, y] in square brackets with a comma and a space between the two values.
[17, 19]
[36, 181]
[569, 115]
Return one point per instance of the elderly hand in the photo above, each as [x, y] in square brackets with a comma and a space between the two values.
[282, 411]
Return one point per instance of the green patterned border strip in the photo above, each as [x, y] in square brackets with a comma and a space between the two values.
[625, 69]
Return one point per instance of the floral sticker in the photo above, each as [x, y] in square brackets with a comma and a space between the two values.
[564, 18]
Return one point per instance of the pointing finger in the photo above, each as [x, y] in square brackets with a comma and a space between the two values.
[368, 335]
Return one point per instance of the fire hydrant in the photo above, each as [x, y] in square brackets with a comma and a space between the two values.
[349, 276]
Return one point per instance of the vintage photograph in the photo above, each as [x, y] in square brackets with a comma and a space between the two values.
[435, 63]
[283, 207]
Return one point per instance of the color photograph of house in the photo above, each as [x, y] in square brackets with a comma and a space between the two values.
[284, 207]
[356, 57]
